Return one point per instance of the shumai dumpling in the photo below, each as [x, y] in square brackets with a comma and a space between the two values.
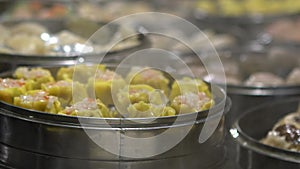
[135, 93]
[142, 109]
[89, 108]
[188, 85]
[83, 72]
[38, 75]
[191, 102]
[10, 88]
[151, 77]
[38, 100]
[63, 89]
[101, 85]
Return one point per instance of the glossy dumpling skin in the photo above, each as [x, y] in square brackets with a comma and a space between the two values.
[187, 85]
[38, 100]
[63, 89]
[10, 88]
[101, 85]
[38, 75]
[148, 76]
[83, 72]
[89, 108]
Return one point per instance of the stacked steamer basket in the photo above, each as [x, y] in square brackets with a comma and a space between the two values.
[42, 140]
[38, 140]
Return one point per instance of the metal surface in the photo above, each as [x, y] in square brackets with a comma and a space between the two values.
[253, 154]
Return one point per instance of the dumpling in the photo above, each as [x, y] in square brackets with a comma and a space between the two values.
[29, 28]
[63, 89]
[264, 79]
[191, 102]
[148, 76]
[38, 100]
[285, 133]
[67, 38]
[5, 34]
[38, 75]
[10, 88]
[88, 108]
[294, 77]
[83, 72]
[187, 85]
[27, 44]
[136, 93]
[101, 85]
[142, 109]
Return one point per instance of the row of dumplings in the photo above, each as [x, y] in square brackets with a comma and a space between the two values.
[143, 93]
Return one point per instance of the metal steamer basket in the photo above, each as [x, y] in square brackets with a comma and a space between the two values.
[16, 59]
[253, 154]
[31, 139]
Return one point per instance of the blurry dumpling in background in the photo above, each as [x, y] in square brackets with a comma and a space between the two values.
[264, 79]
[38, 75]
[38, 100]
[63, 89]
[5, 34]
[101, 85]
[29, 28]
[83, 72]
[285, 133]
[88, 108]
[191, 102]
[25, 43]
[230, 80]
[10, 88]
[148, 76]
[66, 38]
[294, 77]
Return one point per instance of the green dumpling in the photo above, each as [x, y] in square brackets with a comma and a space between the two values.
[88, 108]
[38, 100]
[63, 89]
[148, 76]
[10, 88]
[38, 75]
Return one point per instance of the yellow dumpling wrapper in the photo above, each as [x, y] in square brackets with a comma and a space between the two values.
[83, 72]
[135, 93]
[187, 85]
[38, 75]
[101, 85]
[88, 108]
[148, 76]
[10, 88]
[38, 100]
[142, 109]
[63, 89]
